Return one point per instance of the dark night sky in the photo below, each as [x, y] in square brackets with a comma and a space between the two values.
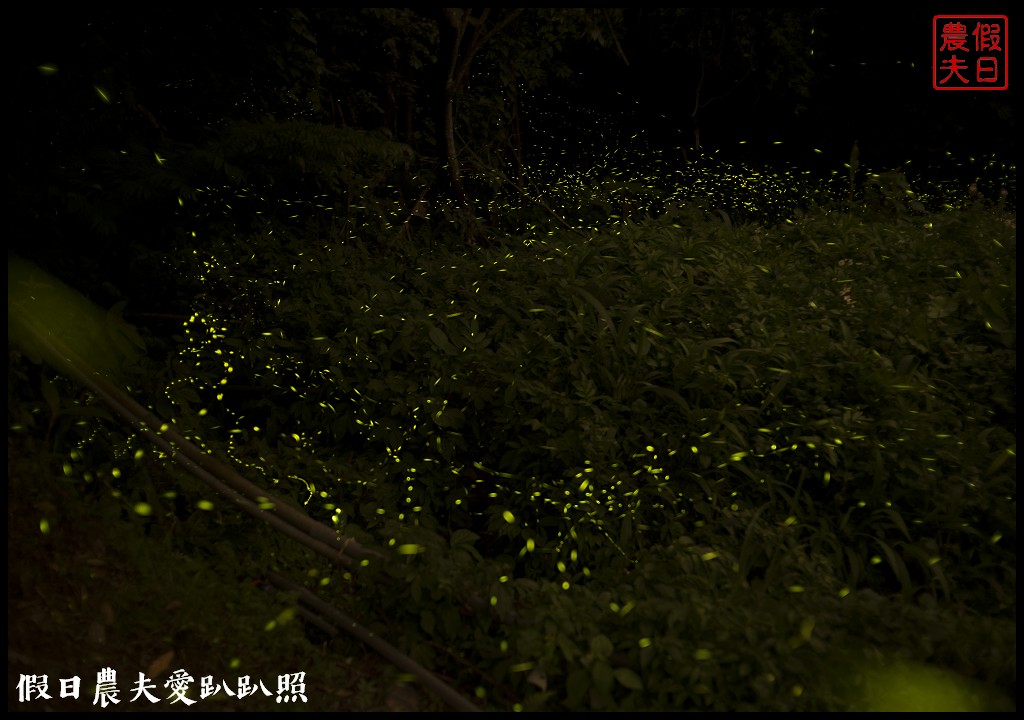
[872, 84]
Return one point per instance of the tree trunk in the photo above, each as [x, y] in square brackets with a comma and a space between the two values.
[461, 47]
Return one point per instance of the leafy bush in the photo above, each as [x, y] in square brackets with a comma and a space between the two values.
[588, 409]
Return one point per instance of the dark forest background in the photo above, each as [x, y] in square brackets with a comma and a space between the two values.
[95, 96]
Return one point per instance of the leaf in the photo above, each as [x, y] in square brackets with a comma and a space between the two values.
[538, 678]
[942, 306]
[669, 393]
[569, 649]
[602, 673]
[463, 537]
[629, 679]
[438, 337]
[601, 309]
[159, 666]
[1001, 458]
[450, 417]
[626, 322]
[897, 520]
[899, 568]
[601, 646]
[576, 687]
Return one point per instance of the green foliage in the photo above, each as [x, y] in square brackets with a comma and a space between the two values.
[827, 405]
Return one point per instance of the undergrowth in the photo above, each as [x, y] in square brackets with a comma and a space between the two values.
[679, 464]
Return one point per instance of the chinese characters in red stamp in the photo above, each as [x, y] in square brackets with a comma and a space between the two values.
[969, 52]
